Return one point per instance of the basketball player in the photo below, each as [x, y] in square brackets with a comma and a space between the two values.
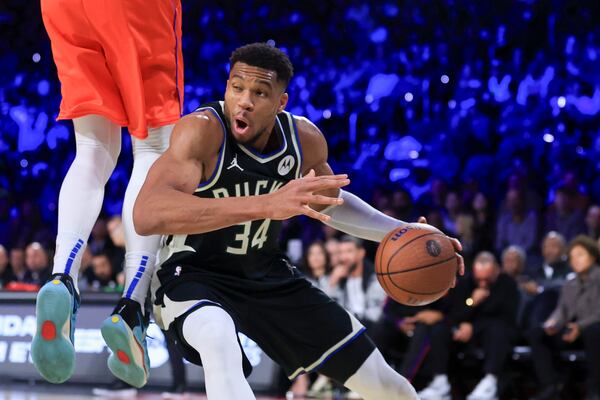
[119, 64]
[232, 172]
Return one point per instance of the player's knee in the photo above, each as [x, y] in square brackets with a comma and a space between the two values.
[211, 331]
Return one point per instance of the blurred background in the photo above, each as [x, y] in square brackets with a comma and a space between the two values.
[481, 116]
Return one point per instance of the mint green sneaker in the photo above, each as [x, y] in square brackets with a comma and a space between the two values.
[125, 334]
[52, 348]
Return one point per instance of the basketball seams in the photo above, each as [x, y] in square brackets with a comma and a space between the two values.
[419, 268]
[387, 269]
[392, 286]
[379, 255]
[417, 293]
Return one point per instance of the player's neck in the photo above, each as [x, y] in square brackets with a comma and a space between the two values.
[268, 141]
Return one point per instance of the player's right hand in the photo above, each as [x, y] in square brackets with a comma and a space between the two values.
[293, 199]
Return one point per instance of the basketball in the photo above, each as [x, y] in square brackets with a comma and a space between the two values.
[416, 264]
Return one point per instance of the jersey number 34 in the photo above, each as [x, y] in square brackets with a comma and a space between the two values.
[258, 239]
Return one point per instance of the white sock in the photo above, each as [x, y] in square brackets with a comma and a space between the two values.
[140, 256]
[98, 144]
[211, 332]
[376, 380]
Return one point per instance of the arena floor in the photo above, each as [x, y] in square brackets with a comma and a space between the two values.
[73, 393]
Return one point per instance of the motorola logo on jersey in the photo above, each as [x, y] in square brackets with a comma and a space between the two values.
[286, 164]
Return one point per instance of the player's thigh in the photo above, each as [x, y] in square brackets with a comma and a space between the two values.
[87, 86]
[302, 329]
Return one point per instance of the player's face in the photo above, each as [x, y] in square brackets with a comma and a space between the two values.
[252, 100]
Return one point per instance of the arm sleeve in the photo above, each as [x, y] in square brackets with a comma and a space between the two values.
[357, 218]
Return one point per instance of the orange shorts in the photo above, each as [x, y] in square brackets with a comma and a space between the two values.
[119, 59]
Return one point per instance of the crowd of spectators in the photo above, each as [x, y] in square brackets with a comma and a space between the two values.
[481, 117]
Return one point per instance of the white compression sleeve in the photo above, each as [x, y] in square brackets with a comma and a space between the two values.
[98, 144]
[358, 218]
[140, 256]
[211, 332]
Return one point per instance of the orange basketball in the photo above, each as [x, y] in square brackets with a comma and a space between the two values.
[416, 264]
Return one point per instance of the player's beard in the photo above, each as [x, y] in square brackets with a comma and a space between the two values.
[252, 141]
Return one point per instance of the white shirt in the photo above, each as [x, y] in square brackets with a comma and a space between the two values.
[356, 296]
[548, 271]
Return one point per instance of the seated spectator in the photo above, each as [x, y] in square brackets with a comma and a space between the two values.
[516, 225]
[17, 264]
[101, 276]
[513, 262]
[6, 274]
[332, 245]
[484, 224]
[553, 267]
[451, 212]
[36, 262]
[575, 319]
[563, 217]
[318, 269]
[544, 281]
[592, 222]
[361, 293]
[483, 313]
[407, 329]
[465, 231]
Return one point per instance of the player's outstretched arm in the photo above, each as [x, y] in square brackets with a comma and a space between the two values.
[354, 216]
[166, 204]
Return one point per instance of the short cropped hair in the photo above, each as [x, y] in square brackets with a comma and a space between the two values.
[264, 56]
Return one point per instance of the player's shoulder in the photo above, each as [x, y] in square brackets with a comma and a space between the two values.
[201, 132]
[308, 132]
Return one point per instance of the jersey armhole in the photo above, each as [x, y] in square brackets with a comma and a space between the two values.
[297, 145]
[218, 168]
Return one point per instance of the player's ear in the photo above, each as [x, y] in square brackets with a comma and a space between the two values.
[283, 100]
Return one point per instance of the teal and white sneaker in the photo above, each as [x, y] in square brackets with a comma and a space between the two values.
[52, 346]
[125, 334]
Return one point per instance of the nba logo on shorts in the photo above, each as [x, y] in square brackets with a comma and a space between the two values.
[286, 165]
[177, 271]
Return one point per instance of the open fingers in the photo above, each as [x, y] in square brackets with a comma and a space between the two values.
[461, 264]
[326, 200]
[322, 183]
[309, 212]
[456, 244]
[312, 177]
[422, 220]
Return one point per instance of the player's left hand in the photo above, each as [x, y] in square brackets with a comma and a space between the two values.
[457, 247]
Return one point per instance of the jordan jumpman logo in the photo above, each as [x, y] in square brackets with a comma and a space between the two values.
[235, 164]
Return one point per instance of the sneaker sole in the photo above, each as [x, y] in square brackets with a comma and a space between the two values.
[51, 349]
[127, 359]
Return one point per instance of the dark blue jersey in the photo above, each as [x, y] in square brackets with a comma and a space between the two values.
[251, 248]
